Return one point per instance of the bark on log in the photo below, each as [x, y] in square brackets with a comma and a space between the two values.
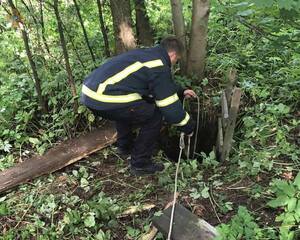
[185, 226]
[57, 157]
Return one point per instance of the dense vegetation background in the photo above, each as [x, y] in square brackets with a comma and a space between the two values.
[256, 195]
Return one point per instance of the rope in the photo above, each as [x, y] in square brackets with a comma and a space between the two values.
[197, 126]
[182, 146]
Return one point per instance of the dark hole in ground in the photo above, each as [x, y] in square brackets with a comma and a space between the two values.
[207, 134]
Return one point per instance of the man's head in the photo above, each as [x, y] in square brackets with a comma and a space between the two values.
[174, 48]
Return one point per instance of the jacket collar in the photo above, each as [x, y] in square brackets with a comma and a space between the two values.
[164, 54]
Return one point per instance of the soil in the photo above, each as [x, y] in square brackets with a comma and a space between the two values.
[117, 183]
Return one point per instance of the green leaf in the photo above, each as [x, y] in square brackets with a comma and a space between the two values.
[34, 141]
[263, 3]
[195, 195]
[278, 202]
[158, 213]
[291, 204]
[285, 187]
[3, 209]
[297, 181]
[245, 13]
[81, 109]
[285, 4]
[205, 193]
[91, 117]
[89, 221]
[100, 235]
[283, 108]
[83, 182]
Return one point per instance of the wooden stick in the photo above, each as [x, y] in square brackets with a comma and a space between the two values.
[224, 105]
[220, 140]
[136, 209]
[58, 157]
[231, 82]
[236, 96]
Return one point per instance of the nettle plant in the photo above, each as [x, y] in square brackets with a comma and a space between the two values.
[287, 199]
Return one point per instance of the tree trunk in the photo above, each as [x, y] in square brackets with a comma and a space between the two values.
[19, 23]
[31, 13]
[73, 45]
[84, 31]
[124, 35]
[197, 51]
[179, 29]
[65, 53]
[43, 27]
[103, 29]
[143, 28]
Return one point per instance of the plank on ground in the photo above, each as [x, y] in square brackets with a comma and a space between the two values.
[186, 225]
[58, 157]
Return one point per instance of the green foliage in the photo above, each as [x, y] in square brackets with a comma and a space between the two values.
[260, 38]
[241, 226]
[288, 198]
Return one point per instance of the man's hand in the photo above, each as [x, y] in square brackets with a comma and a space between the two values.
[188, 93]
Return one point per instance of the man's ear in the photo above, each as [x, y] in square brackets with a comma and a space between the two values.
[173, 56]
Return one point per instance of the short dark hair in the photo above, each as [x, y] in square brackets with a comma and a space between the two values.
[172, 43]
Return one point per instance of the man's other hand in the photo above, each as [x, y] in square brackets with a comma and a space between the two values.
[188, 93]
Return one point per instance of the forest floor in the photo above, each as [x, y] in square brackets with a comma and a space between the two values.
[66, 203]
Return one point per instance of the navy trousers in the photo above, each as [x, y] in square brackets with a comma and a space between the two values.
[147, 118]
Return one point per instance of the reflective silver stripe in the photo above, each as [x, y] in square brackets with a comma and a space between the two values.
[127, 71]
[167, 101]
[184, 121]
[110, 98]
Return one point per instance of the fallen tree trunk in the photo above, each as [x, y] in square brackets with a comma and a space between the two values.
[58, 157]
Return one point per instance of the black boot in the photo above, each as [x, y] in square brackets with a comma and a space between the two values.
[151, 168]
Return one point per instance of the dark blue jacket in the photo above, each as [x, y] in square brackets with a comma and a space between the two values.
[124, 80]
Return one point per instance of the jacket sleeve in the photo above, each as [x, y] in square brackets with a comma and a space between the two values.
[166, 98]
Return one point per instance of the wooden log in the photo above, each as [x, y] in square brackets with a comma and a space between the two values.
[235, 103]
[58, 157]
[186, 226]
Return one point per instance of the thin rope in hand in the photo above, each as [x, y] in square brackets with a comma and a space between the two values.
[197, 126]
[182, 146]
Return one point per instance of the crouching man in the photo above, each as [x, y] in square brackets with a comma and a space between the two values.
[135, 89]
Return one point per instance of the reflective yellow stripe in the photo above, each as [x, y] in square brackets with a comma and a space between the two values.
[110, 98]
[167, 101]
[184, 121]
[127, 71]
[153, 63]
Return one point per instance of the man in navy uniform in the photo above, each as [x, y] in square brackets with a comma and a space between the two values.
[135, 89]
